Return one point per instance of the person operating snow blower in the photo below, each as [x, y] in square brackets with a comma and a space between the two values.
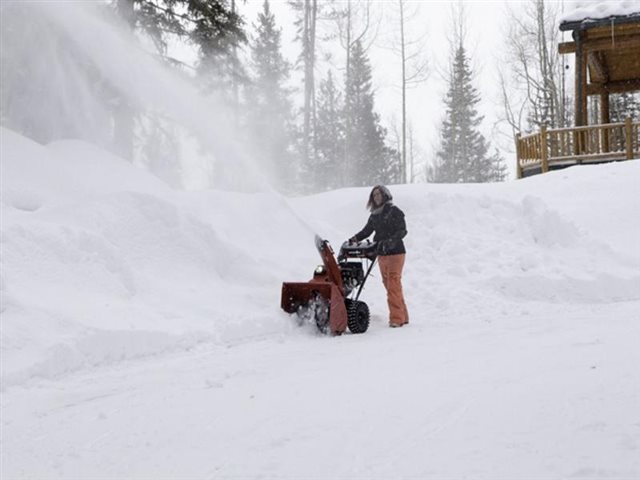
[387, 221]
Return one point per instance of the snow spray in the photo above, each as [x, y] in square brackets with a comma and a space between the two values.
[146, 84]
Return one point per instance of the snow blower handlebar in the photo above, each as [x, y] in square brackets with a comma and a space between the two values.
[364, 249]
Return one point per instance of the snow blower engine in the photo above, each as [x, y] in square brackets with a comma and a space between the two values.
[330, 298]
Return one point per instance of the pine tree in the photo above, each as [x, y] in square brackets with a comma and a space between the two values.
[625, 105]
[218, 33]
[211, 25]
[306, 26]
[329, 137]
[270, 118]
[368, 160]
[463, 154]
[208, 24]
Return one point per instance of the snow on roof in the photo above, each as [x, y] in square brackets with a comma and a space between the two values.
[599, 10]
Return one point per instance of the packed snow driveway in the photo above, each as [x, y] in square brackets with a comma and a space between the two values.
[547, 394]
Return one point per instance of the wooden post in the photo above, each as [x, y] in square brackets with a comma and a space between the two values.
[544, 154]
[518, 154]
[580, 92]
[580, 81]
[605, 119]
[628, 139]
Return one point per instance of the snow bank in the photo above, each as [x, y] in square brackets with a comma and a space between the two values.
[102, 262]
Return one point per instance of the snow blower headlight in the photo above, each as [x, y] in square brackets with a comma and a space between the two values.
[320, 270]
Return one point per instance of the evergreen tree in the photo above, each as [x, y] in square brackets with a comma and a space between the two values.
[218, 33]
[161, 148]
[211, 25]
[306, 24]
[270, 118]
[329, 137]
[625, 105]
[368, 160]
[463, 154]
[392, 168]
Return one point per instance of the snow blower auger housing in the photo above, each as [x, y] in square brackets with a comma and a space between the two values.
[330, 298]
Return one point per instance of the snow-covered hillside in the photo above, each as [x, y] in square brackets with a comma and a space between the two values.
[142, 336]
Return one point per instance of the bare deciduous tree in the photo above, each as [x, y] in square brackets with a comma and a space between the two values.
[413, 67]
[532, 79]
[414, 153]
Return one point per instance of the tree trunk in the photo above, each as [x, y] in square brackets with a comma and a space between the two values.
[123, 119]
[306, 47]
[347, 122]
[403, 168]
[309, 40]
[312, 31]
[234, 79]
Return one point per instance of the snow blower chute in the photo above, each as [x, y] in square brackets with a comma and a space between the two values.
[330, 298]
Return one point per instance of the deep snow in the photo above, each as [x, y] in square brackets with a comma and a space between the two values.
[581, 10]
[142, 338]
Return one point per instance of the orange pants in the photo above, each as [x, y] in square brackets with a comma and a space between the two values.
[391, 270]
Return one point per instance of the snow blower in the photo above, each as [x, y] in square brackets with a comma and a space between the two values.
[330, 298]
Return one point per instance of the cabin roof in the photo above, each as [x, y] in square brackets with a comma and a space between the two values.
[587, 15]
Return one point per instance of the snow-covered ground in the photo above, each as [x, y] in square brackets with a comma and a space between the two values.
[142, 338]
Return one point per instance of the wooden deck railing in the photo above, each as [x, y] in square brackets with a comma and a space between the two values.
[555, 148]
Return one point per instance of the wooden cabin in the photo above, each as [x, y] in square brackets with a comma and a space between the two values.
[607, 61]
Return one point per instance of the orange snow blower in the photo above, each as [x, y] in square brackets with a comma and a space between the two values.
[330, 298]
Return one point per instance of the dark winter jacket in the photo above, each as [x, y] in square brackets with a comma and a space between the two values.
[390, 228]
